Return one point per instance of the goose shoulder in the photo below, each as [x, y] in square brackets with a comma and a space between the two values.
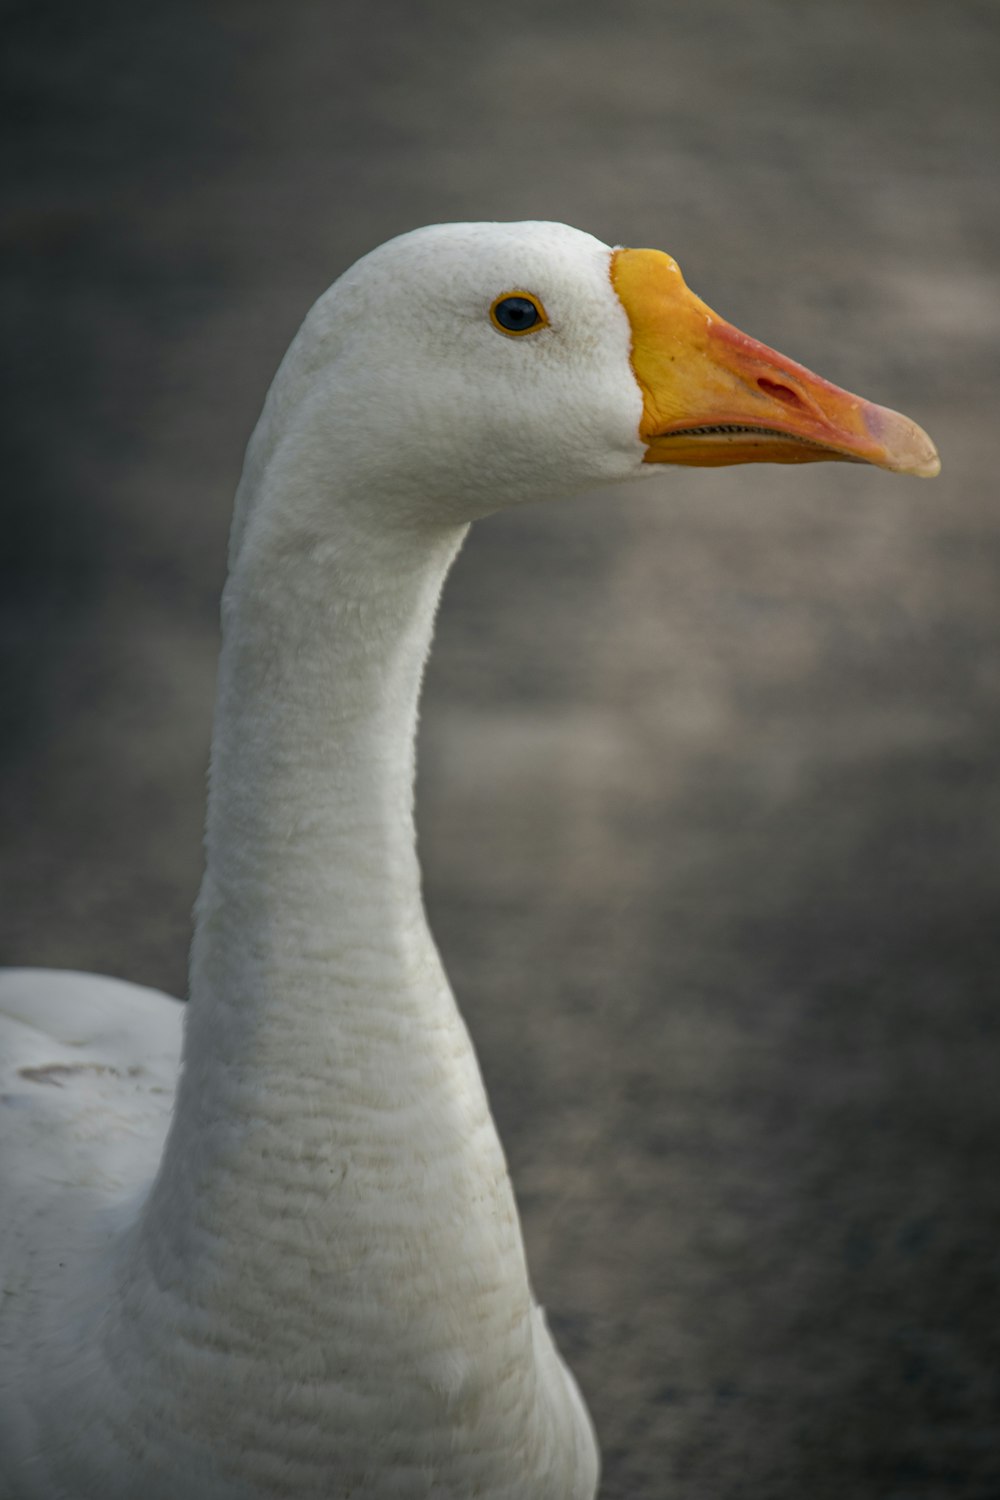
[87, 1079]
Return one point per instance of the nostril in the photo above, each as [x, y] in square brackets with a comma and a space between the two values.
[779, 392]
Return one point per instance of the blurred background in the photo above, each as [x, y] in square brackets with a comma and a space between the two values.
[708, 795]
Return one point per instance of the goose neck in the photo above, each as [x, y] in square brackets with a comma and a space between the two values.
[314, 978]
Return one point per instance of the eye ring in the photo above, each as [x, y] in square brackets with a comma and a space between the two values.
[516, 313]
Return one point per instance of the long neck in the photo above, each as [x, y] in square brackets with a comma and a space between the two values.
[332, 1230]
[329, 1088]
[312, 886]
[311, 944]
[331, 1246]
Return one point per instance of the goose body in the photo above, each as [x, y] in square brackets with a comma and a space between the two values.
[291, 1265]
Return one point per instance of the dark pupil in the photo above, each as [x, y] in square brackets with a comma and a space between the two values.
[516, 313]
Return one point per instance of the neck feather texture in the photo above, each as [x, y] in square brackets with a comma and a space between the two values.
[332, 1182]
[323, 1047]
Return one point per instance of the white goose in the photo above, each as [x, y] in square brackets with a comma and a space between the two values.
[311, 1282]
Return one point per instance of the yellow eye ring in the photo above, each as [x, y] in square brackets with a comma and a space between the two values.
[517, 313]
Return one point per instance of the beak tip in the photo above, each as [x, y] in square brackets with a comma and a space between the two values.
[922, 464]
[907, 448]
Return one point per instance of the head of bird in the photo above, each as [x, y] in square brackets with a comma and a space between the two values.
[464, 368]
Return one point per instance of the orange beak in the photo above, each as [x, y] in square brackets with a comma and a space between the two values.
[711, 395]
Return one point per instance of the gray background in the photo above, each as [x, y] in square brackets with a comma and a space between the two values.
[708, 794]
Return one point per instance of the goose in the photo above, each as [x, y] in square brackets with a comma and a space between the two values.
[282, 1258]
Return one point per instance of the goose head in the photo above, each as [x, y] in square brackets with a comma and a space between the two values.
[464, 368]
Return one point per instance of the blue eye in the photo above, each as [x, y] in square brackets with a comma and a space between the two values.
[517, 312]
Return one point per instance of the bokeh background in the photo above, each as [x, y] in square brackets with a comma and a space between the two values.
[708, 791]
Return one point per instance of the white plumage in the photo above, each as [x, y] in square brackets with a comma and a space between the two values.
[312, 1284]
